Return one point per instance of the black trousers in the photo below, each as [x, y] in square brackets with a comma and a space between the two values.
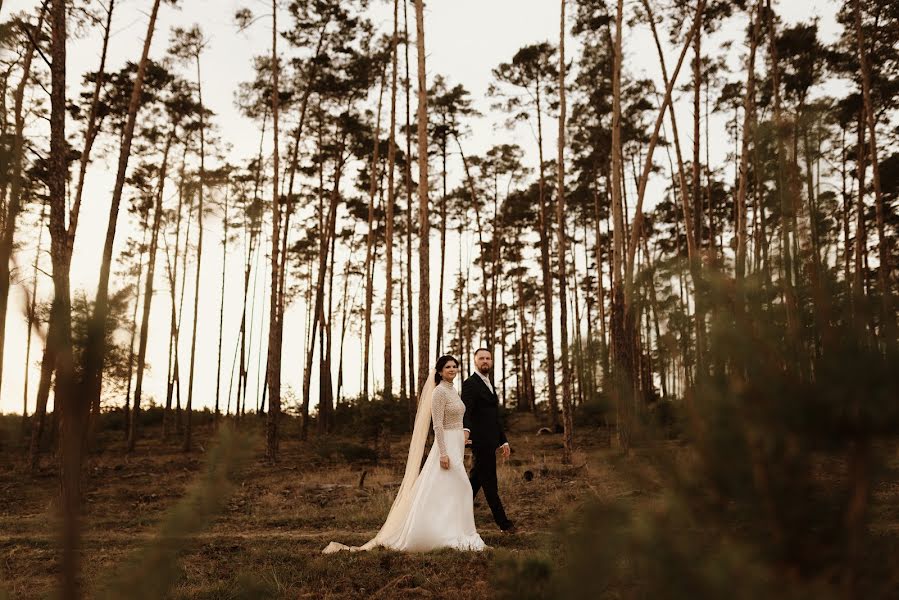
[483, 475]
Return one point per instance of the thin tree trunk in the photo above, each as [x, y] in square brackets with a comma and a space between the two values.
[885, 269]
[681, 170]
[440, 282]
[567, 420]
[413, 395]
[310, 79]
[252, 247]
[546, 272]
[346, 309]
[32, 306]
[748, 126]
[70, 403]
[600, 290]
[847, 211]
[273, 367]
[636, 232]
[424, 287]
[786, 191]
[174, 320]
[95, 351]
[201, 187]
[472, 190]
[218, 370]
[92, 131]
[403, 391]
[131, 356]
[370, 240]
[326, 390]
[861, 231]
[621, 348]
[48, 365]
[134, 429]
[391, 198]
[691, 215]
[696, 38]
[14, 206]
[318, 311]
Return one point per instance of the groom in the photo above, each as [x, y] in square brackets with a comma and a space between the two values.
[483, 430]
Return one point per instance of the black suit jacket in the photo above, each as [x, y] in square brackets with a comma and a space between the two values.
[481, 417]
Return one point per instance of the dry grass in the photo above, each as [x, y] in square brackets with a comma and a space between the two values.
[266, 542]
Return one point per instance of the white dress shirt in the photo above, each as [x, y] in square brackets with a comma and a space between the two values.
[486, 380]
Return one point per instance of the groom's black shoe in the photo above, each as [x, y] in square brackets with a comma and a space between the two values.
[509, 528]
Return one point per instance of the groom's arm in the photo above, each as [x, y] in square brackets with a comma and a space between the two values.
[502, 434]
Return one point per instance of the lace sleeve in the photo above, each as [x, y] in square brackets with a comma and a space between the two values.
[438, 406]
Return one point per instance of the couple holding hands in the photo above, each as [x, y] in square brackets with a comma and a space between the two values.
[434, 507]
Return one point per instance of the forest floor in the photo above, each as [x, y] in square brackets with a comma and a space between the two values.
[266, 539]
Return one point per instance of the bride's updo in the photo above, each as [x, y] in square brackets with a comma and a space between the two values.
[441, 362]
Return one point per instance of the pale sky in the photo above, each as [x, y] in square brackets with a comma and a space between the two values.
[465, 40]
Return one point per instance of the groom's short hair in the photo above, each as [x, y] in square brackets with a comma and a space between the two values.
[487, 350]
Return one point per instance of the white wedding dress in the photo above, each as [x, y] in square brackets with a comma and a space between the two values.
[433, 508]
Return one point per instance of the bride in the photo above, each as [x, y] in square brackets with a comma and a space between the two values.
[434, 508]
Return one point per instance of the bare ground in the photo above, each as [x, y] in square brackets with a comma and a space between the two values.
[267, 539]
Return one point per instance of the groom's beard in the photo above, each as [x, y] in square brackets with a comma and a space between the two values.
[484, 370]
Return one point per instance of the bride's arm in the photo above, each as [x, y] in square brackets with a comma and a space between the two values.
[468, 401]
[438, 405]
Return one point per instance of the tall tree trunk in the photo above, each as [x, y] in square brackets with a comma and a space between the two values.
[567, 420]
[410, 337]
[636, 229]
[174, 319]
[318, 311]
[131, 355]
[495, 270]
[70, 403]
[846, 211]
[134, 428]
[620, 347]
[252, 247]
[310, 78]
[484, 253]
[786, 191]
[218, 369]
[697, 93]
[861, 230]
[440, 282]
[546, 271]
[326, 388]
[691, 214]
[424, 287]
[14, 206]
[600, 289]
[32, 306]
[885, 269]
[402, 285]
[681, 170]
[93, 129]
[388, 222]
[370, 240]
[95, 351]
[748, 127]
[201, 187]
[654, 305]
[273, 368]
[48, 364]
[346, 309]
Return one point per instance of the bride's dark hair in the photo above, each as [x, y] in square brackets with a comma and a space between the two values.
[441, 362]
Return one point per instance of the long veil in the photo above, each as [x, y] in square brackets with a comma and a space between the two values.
[393, 525]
